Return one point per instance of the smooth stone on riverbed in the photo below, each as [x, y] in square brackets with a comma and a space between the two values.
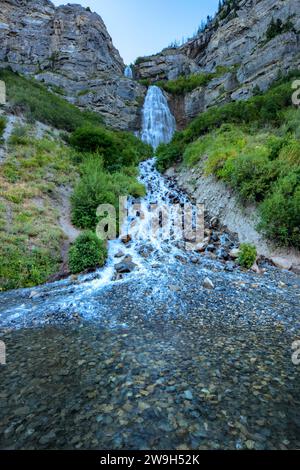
[208, 284]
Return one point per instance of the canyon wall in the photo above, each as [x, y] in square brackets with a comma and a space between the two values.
[69, 49]
[237, 48]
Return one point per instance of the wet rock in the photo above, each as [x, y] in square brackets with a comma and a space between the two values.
[126, 239]
[195, 260]
[214, 237]
[234, 253]
[126, 266]
[229, 267]
[188, 395]
[201, 247]
[222, 254]
[119, 254]
[214, 223]
[256, 269]
[208, 284]
[210, 248]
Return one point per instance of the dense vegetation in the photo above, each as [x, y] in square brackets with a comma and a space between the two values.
[118, 149]
[38, 104]
[254, 147]
[185, 84]
[87, 252]
[100, 163]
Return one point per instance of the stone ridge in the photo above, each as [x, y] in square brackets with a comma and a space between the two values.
[69, 47]
[238, 44]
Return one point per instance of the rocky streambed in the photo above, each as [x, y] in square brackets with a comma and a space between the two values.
[160, 362]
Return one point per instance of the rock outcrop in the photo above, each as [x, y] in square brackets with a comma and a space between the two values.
[239, 45]
[69, 48]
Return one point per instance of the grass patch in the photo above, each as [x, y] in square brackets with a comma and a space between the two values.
[30, 237]
[39, 104]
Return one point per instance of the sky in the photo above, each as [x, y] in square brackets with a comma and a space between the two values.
[144, 27]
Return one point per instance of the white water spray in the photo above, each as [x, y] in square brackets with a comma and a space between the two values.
[158, 122]
[128, 72]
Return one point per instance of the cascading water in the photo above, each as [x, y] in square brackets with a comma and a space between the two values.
[128, 72]
[158, 123]
[145, 250]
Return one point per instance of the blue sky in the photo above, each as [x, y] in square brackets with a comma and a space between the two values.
[142, 27]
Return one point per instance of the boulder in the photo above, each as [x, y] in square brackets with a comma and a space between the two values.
[125, 266]
[234, 253]
[282, 263]
[126, 239]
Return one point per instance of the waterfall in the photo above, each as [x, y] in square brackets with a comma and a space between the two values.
[158, 123]
[128, 72]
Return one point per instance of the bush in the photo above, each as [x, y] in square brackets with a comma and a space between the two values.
[247, 256]
[280, 211]
[2, 126]
[87, 252]
[118, 149]
[96, 187]
[39, 104]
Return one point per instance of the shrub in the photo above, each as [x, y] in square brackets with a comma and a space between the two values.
[39, 104]
[247, 255]
[2, 126]
[280, 211]
[96, 187]
[118, 149]
[87, 252]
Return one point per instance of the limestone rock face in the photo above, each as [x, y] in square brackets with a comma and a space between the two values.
[167, 65]
[69, 47]
[238, 44]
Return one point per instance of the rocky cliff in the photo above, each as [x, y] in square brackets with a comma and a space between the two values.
[238, 44]
[70, 49]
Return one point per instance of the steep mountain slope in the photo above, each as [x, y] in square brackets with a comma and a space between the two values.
[69, 48]
[240, 44]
